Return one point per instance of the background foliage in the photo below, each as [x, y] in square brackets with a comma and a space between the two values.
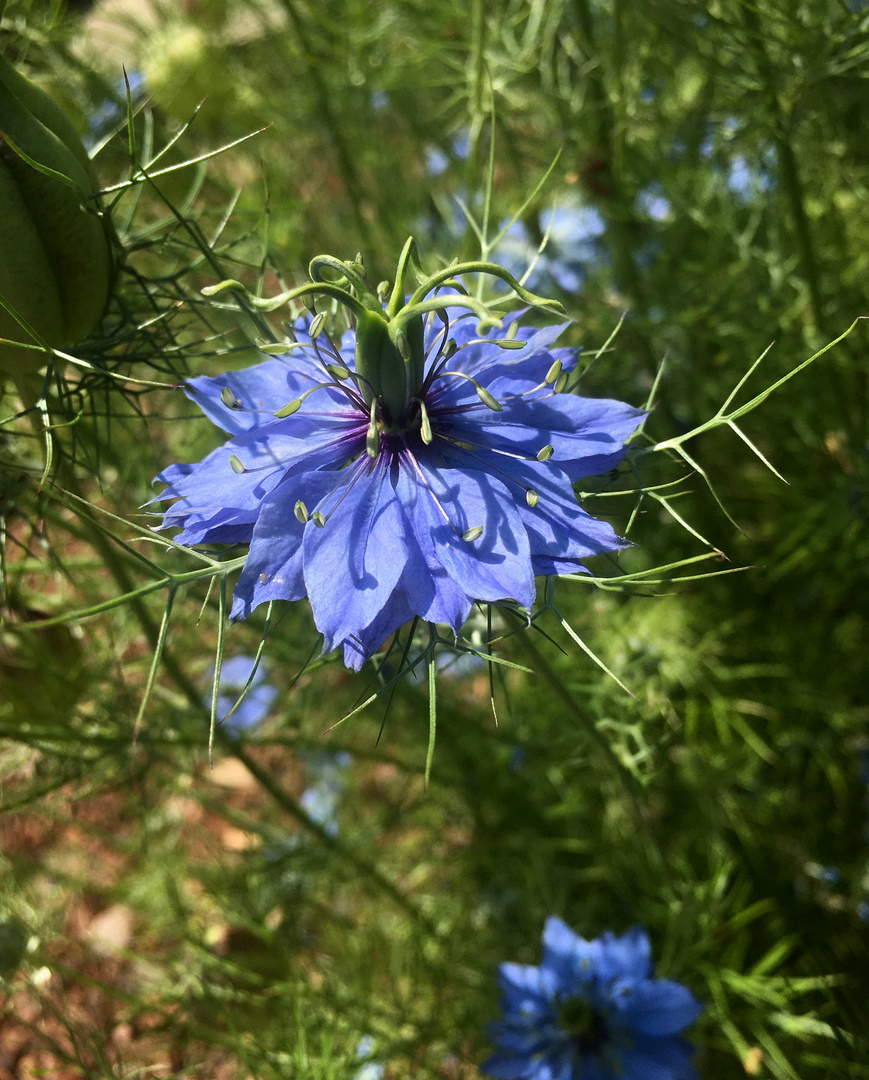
[713, 182]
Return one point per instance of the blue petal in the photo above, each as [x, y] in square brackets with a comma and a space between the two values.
[510, 1067]
[261, 389]
[273, 569]
[525, 985]
[654, 1007]
[572, 960]
[629, 955]
[495, 566]
[431, 593]
[587, 434]
[659, 1059]
[353, 563]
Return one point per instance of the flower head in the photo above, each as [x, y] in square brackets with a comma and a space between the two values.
[592, 1011]
[410, 467]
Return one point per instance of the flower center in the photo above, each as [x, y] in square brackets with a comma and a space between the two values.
[585, 1026]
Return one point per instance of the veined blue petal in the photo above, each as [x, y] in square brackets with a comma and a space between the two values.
[497, 564]
[256, 389]
[353, 563]
[273, 569]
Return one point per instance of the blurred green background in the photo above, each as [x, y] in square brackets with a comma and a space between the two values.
[159, 918]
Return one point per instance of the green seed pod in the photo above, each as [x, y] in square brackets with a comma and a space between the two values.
[56, 254]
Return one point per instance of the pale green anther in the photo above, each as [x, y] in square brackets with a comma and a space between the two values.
[337, 371]
[532, 497]
[316, 327]
[553, 373]
[289, 409]
[425, 426]
[318, 519]
[308, 301]
[450, 348]
[372, 436]
[507, 343]
[236, 463]
[383, 291]
[470, 535]
[513, 329]
[487, 399]
[229, 399]
[561, 383]
[545, 453]
[301, 512]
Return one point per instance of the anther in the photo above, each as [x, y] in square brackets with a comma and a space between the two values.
[316, 326]
[318, 519]
[545, 453]
[553, 373]
[508, 343]
[229, 399]
[338, 372]
[487, 399]
[236, 464]
[301, 512]
[289, 409]
[425, 423]
[532, 497]
[561, 383]
[470, 535]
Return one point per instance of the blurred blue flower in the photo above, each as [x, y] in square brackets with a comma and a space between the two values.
[592, 1011]
[371, 1070]
[652, 202]
[320, 800]
[108, 116]
[255, 706]
[464, 495]
[572, 246]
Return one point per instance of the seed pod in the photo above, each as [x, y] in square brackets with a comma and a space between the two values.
[56, 256]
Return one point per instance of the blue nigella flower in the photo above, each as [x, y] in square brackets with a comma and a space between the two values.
[257, 702]
[592, 1011]
[408, 468]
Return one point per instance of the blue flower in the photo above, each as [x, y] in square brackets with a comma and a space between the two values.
[592, 1011]
[255, 706]
[408, 468]
[320, 801]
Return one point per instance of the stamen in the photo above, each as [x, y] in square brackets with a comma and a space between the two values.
[229, 399]
[339, 372]
[482, 393]
[545, 453]
[561, 382]
[296, 404]
[318, 519]
[532, 497]
[316, 325]
[425, 424]
[553, 373]
[470, 535]
[236, 464]
[301, 512]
